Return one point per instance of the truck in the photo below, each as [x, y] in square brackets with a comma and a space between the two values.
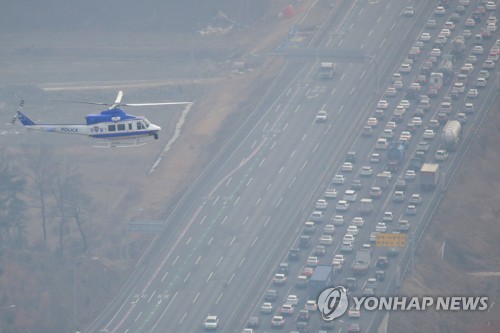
[435, 83]
[361, 262]
[429, 176]
[395, 155]
[458, 46]
[451, 134]
[327, 70]
[366, 206]
[321, 279]
[382, 181]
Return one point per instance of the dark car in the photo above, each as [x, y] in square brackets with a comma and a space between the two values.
[253, 322]
[356, 184]
[382, 262]
[304, 242]
[301, 282]
[271, 295]
[354, 328]
[351, 283]
[283, 268]
[351, 157]
[303, 315]
[294, 254]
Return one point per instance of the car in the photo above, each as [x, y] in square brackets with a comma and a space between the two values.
[398, 84]
[405, 135]
[381, 144]
[309, 228]
[307, 271]
[354, 327]
[381, 227]
[439, 11]
[473, 93]
[279, 279]
[326, 240]
[303, 315]
[330, 193]
[319, 251]
[388, 217]
[366, 171]
[466, 33]
[449, 25]
[464, 2]
[477, 50]
[253, 322]
[356, 185]
[469, 108]
[283, 268]
[470, 23]
[375, 158]
[352, 230]
[354, 313]
[371, 283]
[408, 11]
[382, 262]
[321, 116]
[339, 258]
[367, 131]
[431, 24]
[400, 184]
[461, 117]
[428, 134]
[317, 216]
[441, 155]
[351, 283]
[403, 225]
[372, 122]
[358, 221]
[338, 220]
[425, 37]
[373, 237]
[471, 59]
[294, 254]
[248, 330]
[458, 11]
[375, 192]
[445, 32]
[311, 305]
[411, 210]
[266, 308]
[386, 174]
[338, 179]
[417, 121]
[350, 196]
[405, 67]
[398, 196]
[391, 125]
[346, 167]
[484, 73]
[382, 104]
[211, 323]
[342, 206]
[410, 175]
[321, 204]
[302, 282]
[313, 261]
[491, 6]
[415, 199]
[423, 146]
[278, 322]
[292, 299]
[390, 92]
[488, 64]
[271, 295]
[348, 238]
[329, 229]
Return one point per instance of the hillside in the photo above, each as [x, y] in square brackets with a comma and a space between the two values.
[467, 224]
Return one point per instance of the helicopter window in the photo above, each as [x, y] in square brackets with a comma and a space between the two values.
[129, 126]
[111, 128]
[140, 125]
[147, 123]
[121, 127]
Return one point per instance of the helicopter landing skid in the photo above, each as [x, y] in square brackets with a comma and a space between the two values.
[135, 142]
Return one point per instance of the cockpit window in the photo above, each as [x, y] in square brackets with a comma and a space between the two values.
[146, 122]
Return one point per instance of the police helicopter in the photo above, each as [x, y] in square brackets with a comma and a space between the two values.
[113, 126]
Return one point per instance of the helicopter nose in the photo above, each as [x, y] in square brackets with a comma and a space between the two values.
[155, 127]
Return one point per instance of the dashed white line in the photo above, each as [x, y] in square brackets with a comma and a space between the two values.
[353, 89]
[352, 25]
[289, 91]
[362, 46]
[281, 169]
[197, 260]
[277, 108]
[249, 181]
[284, 127]
[303, 137]
[164, 277]
[342, 77]
[231, 278]
[187, 276]
[308, 90]
[327, 129]
[303, 165]
[196, 297]
[265, 126]
[341, 108]
[258, 200]
[291, 183]
[224, 220]
[255, 240]
[272, 146]
[246, 219]
[279, 201]
[316, 147]
[151, 297]
[260, 164]
[241, 262]
[333, 91]
[360, 11]
[171, 301]
[293, 153]
[362, 75]
[379, 19]
[182, 319]
[296, 109]
[393, 26]
[189, 240]
[370, 33]
[220, 260]
[236, 201]
[268, 186]
[210, 240]
[136, 318]
[382, 44]
[232, 241]
[176, 258]
[203, 219]
[253, 144]
[216, 199]
[218, 298]
[210, 276]
[267, 221]
[340, 43]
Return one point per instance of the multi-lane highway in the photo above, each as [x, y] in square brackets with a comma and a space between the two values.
[236, 223]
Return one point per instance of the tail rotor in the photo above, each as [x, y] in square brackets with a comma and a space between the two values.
[18, 113]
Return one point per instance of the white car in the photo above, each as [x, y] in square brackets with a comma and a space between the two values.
[352, 230]
[350, 196]
[372, 121]
[358, 221]
[311, 305]
[312, 261]
[354, 313]
[390, 92]
[326, 240]
[366, 171]
[391, 125]
[388, 217]
[338, 179]
[381, 227]
[425, 37]
[470, 23]
[292, 299]
[473, 93]
[441, 155]
[338, 220]
[266, 308]
[445, 32]
[382, 104]
[348, 238]
[211, 322]
[410, 175]
[347, 167]
[321, 204]
[398, 84]
[439, 11]
[375, 158]
[436, 52]
[405, 103]
[491, 6]
[478, 49]
[373, 237]
[417, 121]
[429, 134]
[329, 229]
[321, 116]
[330, 193]
[342, 206]
[381, 144]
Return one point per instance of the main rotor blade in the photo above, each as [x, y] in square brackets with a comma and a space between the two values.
[155, 104]
[119, 97]
[82, 102]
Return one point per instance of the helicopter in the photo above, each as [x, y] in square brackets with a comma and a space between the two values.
[115, 127]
